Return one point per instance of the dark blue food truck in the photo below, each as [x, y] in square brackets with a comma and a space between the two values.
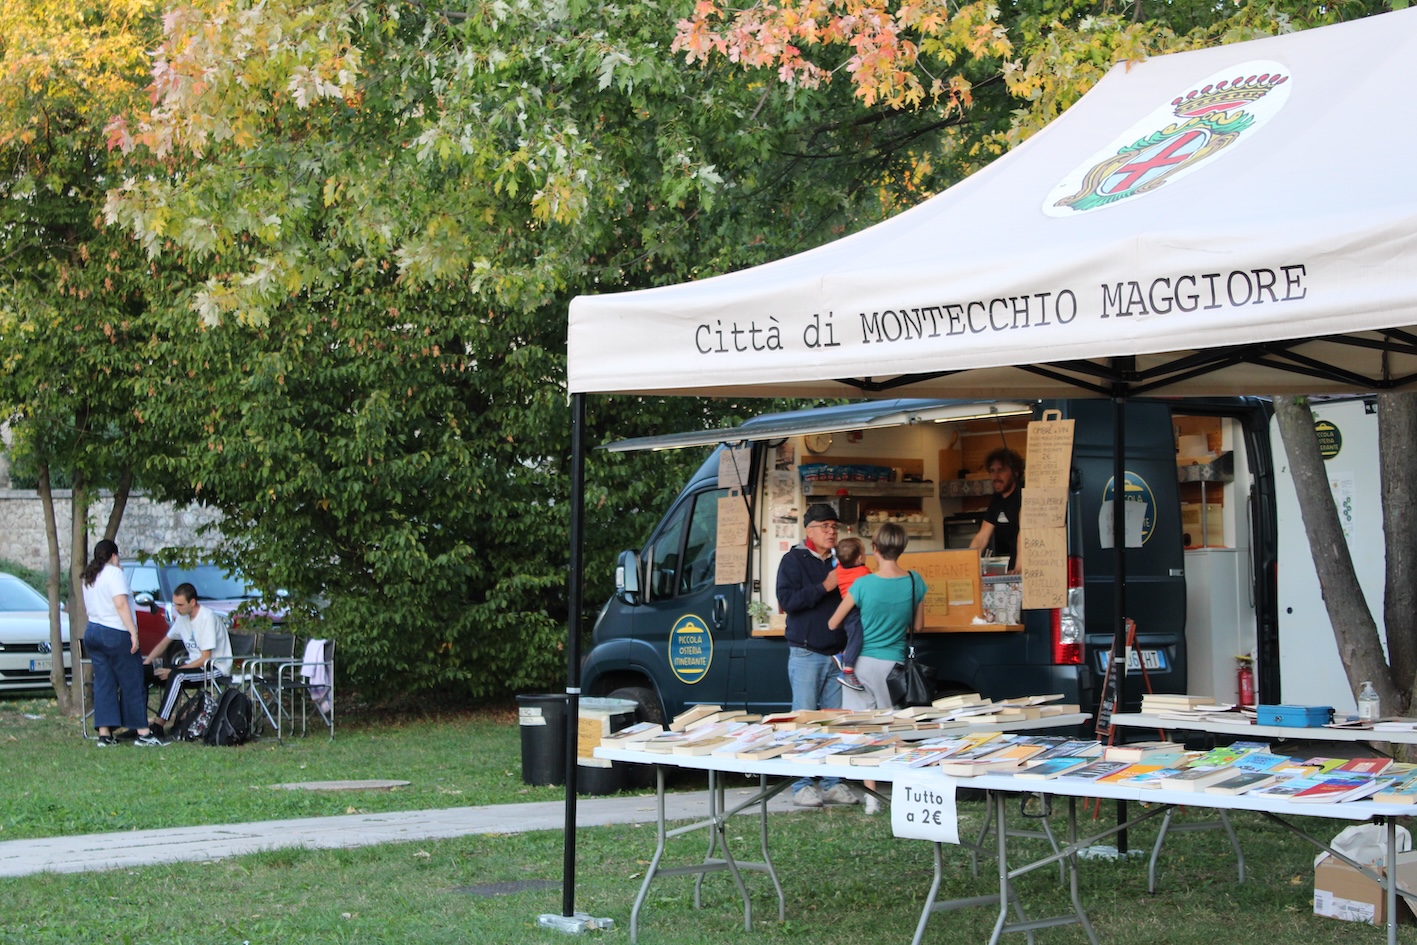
[688, 625]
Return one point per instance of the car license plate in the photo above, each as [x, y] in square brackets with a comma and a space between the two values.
[1153, 659]
[42, 665]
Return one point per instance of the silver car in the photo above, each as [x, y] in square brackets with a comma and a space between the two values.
[25, 652]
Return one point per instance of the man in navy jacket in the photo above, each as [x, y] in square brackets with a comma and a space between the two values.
[807, 593]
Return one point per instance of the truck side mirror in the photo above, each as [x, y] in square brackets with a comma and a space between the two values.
[627, 577]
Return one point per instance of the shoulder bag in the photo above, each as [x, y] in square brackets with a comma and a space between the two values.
[911, 682]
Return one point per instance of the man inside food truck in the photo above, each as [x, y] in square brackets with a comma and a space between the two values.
[1000, 525]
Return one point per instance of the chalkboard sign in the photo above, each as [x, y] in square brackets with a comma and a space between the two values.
[1111, 695]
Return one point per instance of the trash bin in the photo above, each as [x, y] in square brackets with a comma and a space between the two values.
[542, 719]
[600, 717]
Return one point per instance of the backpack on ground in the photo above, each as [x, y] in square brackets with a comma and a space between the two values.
[231, 720]
[191, 721]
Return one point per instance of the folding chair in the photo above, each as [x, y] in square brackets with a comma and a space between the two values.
[243, 649]
[310, 681]
[263, 677]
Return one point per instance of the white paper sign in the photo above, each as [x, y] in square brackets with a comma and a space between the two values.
[1136, 518]
[925, 810]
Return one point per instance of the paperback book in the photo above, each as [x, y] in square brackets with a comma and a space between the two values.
[1194, 778]
[1051, 767]
[1332, 789]
[1241, 783]
[1140, 751]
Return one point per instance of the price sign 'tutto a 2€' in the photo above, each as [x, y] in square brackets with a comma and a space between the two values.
[925, 810]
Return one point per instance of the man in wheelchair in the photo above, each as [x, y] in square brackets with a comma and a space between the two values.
[203, 633]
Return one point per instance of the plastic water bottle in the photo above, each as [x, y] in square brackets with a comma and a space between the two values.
[1367, 701]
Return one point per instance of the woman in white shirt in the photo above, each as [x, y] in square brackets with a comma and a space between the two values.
[111, 641]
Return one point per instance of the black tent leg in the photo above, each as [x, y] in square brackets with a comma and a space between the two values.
[573, 647]
[1119, 571]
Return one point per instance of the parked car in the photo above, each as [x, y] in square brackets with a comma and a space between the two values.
[26, 654]
[152, 585]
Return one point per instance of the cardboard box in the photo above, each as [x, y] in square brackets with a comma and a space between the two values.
[1341, 892]
[1213, 514]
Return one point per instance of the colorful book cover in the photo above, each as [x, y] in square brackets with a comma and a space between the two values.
[1220, 757]
[1097, 770]
[1132, 770]
[1331, 789]
[1370, 766]
[1400, 791]
[1286, 787]
[1262, 761]
[1073, 748]
[1052, 767]
[1152, 779]
[1018, 751]
[1241, 783]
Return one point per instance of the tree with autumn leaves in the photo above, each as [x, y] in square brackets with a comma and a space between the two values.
[1045, 56]
[368, 221]
[346, 235]
[999, 71]
[74, 292]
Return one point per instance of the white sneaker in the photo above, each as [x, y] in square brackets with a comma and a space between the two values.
[807, 796]
[840, 794]
[874, 805]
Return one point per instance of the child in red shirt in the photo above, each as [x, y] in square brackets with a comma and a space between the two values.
[851, 564]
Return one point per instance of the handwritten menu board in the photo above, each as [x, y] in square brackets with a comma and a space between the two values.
[732, 556]
[1043, 537]
[734, 467]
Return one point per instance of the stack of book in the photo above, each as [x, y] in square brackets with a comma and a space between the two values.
[838, 738]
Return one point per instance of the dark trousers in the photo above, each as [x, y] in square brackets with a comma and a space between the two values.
[852, 625]
[119, 697]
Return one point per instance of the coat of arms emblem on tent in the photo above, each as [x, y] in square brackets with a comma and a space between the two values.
[1176, 139]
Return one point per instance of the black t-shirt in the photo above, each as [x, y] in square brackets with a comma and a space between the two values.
[1003, 513]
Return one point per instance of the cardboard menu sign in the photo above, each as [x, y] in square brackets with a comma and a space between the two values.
[734, 467]
[1042, 560]
[953, 598]
[1043, 542]
[731, 565]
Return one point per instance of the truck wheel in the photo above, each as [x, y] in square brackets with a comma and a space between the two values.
[647, 707]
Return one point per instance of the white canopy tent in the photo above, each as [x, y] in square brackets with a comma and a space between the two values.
[1237, 220]
[1259, 237]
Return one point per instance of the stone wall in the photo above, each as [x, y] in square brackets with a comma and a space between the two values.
[148, 526]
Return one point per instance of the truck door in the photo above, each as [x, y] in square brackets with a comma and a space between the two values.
[688, 618]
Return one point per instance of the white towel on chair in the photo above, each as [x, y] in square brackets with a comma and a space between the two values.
[314, 667]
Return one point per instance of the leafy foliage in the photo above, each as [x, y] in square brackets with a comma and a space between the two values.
[961, 59]
[389, 210]
[72, 294]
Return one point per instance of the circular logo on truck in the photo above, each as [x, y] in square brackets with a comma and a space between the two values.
[1136, 490]
[690, 649]
[1330, 438]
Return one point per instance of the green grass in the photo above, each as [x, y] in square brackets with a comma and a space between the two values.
[57, 783]
[846, 878]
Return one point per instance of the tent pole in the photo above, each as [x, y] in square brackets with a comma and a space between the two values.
[573, 647]
[1118, 659]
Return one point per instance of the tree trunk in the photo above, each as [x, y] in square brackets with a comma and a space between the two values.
[120, 503]
[1397, 438]
[64, 694]
[1354, 629]
[78, 557]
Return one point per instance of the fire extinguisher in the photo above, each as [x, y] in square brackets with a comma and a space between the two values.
[1245, 680]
